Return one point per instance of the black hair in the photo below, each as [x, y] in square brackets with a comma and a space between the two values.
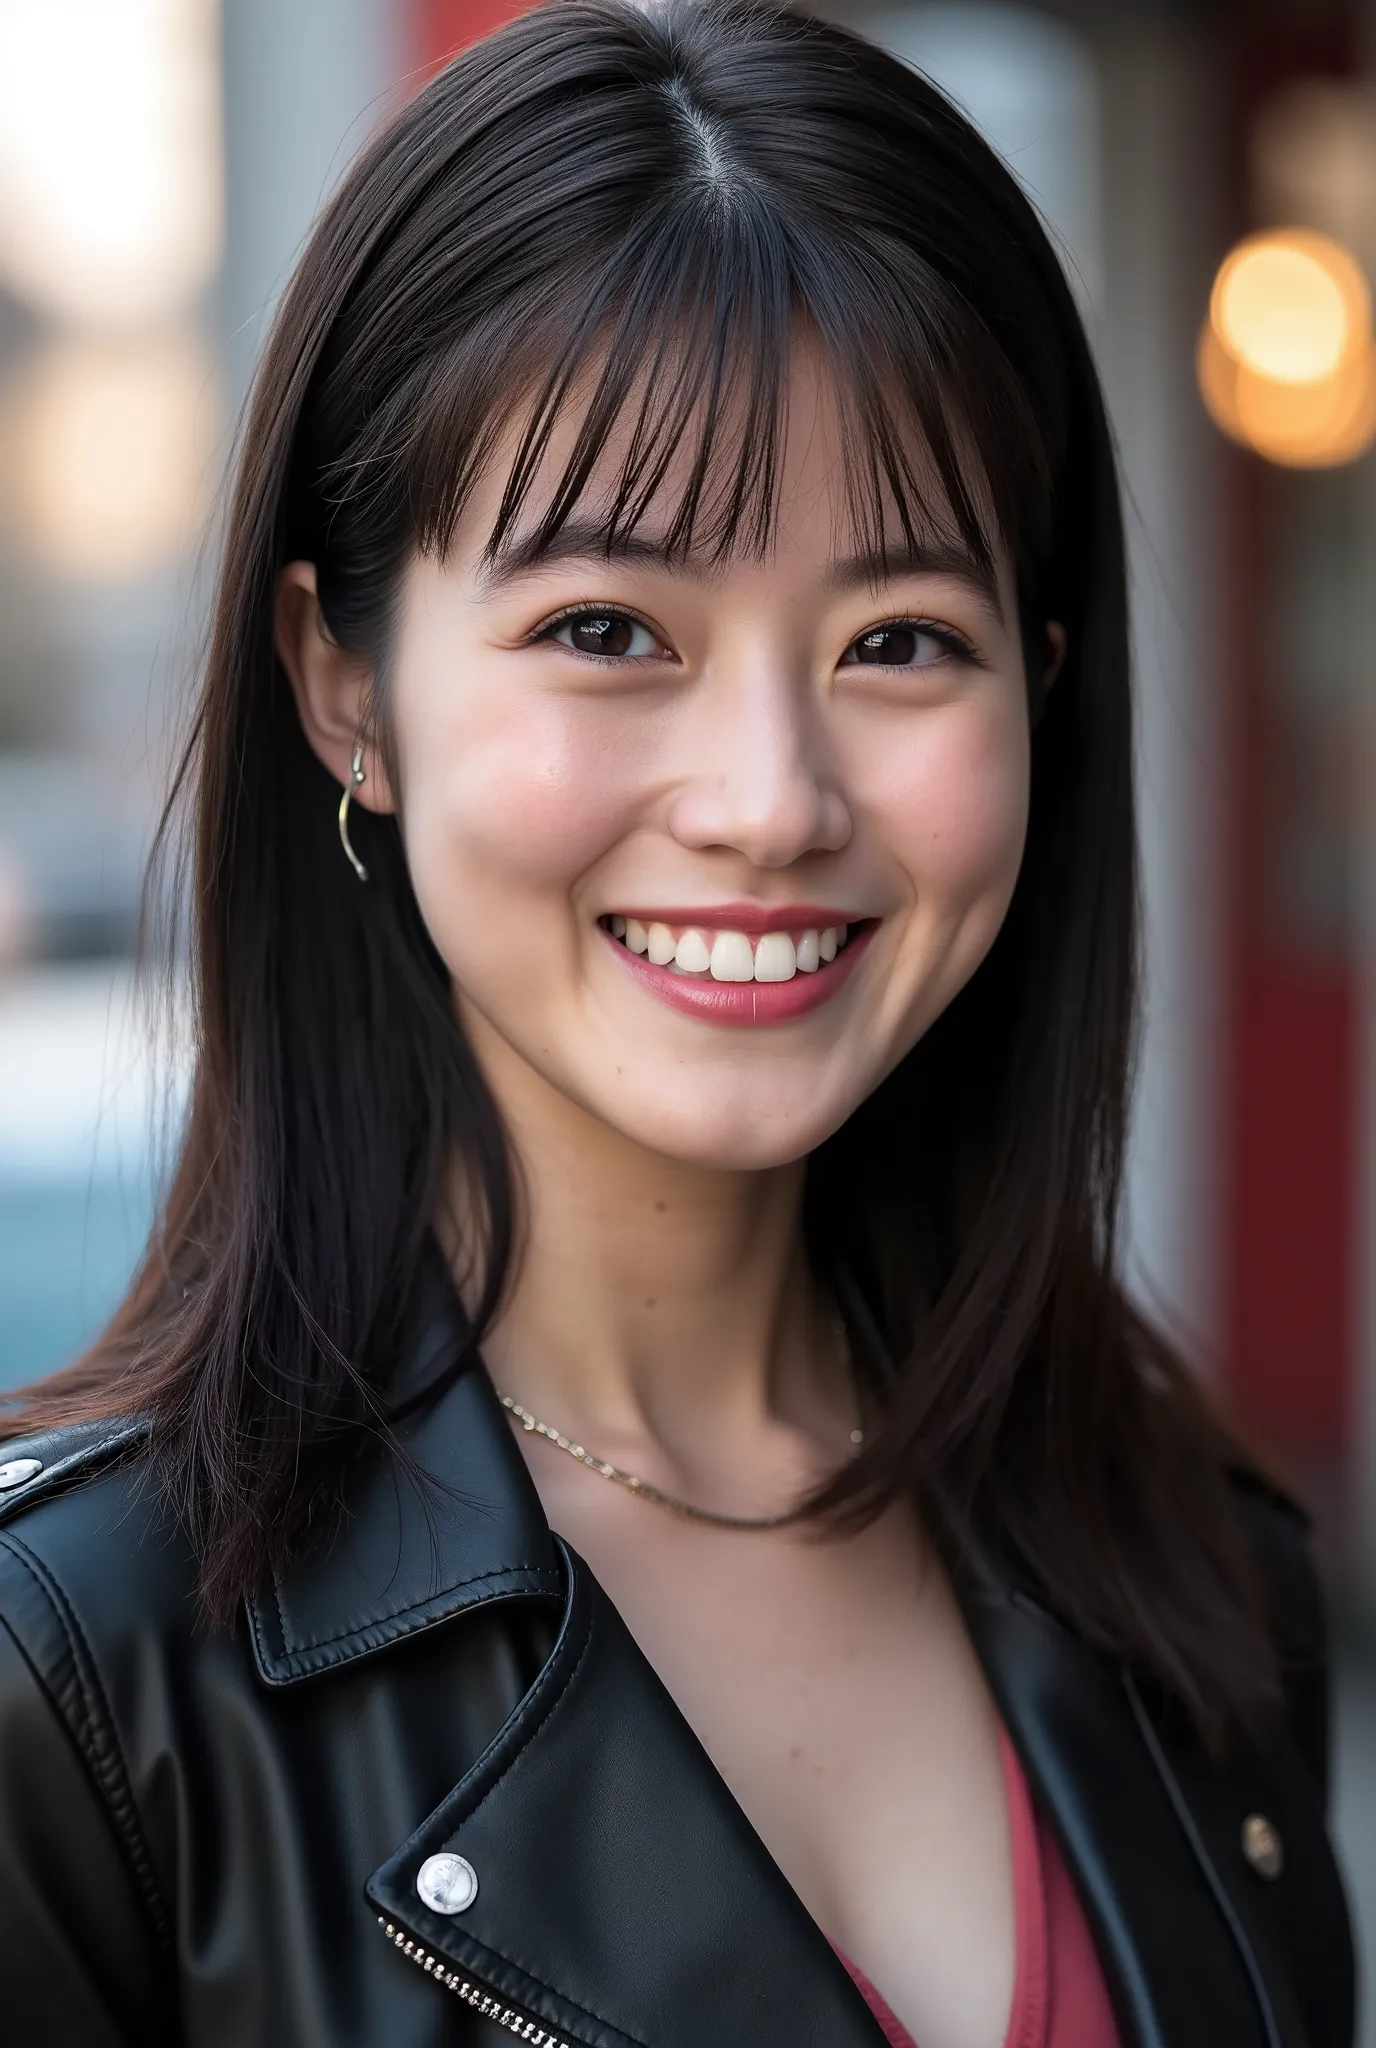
[633, 217]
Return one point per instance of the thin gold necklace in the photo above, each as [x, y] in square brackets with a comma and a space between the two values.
[642, 1487]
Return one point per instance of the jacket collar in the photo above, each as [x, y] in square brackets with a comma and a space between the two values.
[462, 1526]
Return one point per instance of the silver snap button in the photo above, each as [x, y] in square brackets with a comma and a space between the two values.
[1261, 1845]
[17, 1471]
[447, 1884]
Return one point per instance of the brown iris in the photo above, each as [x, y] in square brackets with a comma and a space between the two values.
[895, 646]
[602, 633]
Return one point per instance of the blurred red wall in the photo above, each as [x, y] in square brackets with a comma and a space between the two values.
[1291, 1178]
[440, 27]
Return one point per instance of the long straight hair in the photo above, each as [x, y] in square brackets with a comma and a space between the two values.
[631, 218]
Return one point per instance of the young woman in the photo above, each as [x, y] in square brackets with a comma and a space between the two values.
[625, 1504]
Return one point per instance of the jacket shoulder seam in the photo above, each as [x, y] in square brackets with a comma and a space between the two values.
[97, 1738]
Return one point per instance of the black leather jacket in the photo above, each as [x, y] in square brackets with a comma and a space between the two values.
[215, 1839]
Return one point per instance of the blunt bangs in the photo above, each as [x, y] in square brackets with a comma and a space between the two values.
[664, 344]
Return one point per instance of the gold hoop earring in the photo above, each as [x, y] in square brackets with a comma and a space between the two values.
[357, 775]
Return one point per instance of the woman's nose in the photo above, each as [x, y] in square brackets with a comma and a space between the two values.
[761, 783]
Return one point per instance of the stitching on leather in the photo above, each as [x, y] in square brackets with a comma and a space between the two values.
[518, 1729]
[111, 1773]
[256, 1632]
[398, 1626]
[114, 1772]
[546, 1716]
[281, 1617]
[531, 1708]
[381, 1620]
[26, 1558]
[520, 1732]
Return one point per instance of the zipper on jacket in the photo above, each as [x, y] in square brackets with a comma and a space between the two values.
[473, 1994]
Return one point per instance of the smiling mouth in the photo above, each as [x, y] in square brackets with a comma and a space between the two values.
[703, 952]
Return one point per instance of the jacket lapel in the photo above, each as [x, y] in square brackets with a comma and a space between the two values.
[623, 1898]
[1153, 1870]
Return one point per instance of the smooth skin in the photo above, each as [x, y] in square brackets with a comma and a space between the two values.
[733, 748]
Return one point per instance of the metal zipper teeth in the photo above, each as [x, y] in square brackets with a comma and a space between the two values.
[472, 1994]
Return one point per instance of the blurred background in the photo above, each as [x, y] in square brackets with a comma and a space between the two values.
[1209, 172]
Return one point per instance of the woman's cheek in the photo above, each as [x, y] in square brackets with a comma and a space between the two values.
[508, 804]
[952, 806]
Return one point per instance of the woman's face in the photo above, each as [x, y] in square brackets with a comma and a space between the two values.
[707, 849]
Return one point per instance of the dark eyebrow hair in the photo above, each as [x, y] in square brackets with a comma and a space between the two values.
[920, 558]
[573, 540]
[588, 540]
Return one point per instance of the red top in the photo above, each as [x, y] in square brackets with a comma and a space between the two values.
[1059, 1999]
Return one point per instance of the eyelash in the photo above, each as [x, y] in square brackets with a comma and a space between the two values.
[953, 643]
[550, 627]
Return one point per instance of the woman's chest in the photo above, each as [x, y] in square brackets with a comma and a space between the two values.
[833, 1686]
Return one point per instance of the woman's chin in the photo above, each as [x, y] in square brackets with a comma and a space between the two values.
[731, 1138]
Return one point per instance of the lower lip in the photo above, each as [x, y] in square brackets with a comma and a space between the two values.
[747, 1002]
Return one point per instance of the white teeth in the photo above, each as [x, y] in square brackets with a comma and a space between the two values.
[775, 958]
[730, 956]
[732, 959]
[692, 954]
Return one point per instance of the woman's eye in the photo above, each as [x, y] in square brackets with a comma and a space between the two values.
[614, 635]
[901, 645]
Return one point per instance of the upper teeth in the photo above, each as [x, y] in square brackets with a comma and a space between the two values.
[730, 956]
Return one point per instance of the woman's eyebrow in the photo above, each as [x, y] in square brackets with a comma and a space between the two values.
[587, 540]
[575, 540]
[875, 567]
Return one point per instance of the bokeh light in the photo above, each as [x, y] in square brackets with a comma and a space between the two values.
[106, 455]
[1286, 362]
[1290, 305]
[110, 169]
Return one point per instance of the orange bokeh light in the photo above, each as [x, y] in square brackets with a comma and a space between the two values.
[1286, 362]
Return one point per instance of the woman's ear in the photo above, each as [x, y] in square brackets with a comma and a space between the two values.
[1055, 653]
[331, 687]
[1044, 664]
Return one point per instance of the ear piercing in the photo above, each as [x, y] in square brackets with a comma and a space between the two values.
[357, 776]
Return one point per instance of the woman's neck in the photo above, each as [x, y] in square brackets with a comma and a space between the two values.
[656, 1302]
